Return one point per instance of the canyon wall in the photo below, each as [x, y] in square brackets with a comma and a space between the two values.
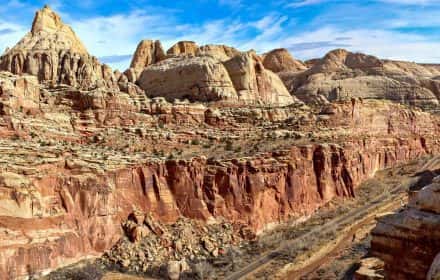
[67, 214]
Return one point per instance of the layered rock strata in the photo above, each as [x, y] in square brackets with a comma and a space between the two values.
[204, 78]
[408, 242]
[69, 205]
[183, 48]
[344, 75]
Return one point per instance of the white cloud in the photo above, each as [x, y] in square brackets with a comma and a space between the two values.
[411, 2]
[303, 3]
[12, 36]
[118, 35]
[381, 43]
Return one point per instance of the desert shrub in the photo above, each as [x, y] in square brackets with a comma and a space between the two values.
[229, 146]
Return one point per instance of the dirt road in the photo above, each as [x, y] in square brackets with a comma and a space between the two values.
[344, 227]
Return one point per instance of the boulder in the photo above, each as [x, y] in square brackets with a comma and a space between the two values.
[369, 269]
[176, 268]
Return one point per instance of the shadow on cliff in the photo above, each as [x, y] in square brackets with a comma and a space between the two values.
[424, 178]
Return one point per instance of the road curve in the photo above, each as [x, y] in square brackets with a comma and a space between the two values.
[356, 214]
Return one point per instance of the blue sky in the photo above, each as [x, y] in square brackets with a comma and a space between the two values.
[111, 30]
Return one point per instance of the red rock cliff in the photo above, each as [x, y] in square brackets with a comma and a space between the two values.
[70, 214]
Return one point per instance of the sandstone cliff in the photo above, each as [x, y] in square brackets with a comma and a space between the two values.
[254, 83]
[183, 48]
[408, 242]
[147, 52]
[53, 53]
[206, 78]
[343, 75]
[280, 60]
[83, 211]
[220, 52]
[62, 203]
[82, 147]
[193, 78]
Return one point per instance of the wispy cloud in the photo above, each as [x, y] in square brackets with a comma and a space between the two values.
[299, 47]
[5, 31]
[115, 58]
[412, 2]
[309, 28]
[302, 3]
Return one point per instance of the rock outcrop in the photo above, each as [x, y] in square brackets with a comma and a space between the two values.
[220, 52]
[280, 60]
[409, 241]
[194, 78]
[183, 48]
[19, 94]
[53, 53]
[434, 270]
[253, 192]
[254, 83]
[147, 52]
[204, 78]
[343, 75]
[341, 60]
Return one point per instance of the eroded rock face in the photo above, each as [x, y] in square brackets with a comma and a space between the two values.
[204, 78]
[47, 22]
[19, 94]
[254, 83]
[434, 270]
[79, 159]
[183, 47]
[220, 52]
[341, 60]
[61, 205]
[53, 53]
[408, 242]
[343, 75]
[194, 78]
[147, 52]
[91, 207]
[280, 60]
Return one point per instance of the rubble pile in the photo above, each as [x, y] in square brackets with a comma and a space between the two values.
[153, 248]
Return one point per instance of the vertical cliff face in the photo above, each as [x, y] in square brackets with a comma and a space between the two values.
[75, 214]
[147, 52]
[409, 241]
